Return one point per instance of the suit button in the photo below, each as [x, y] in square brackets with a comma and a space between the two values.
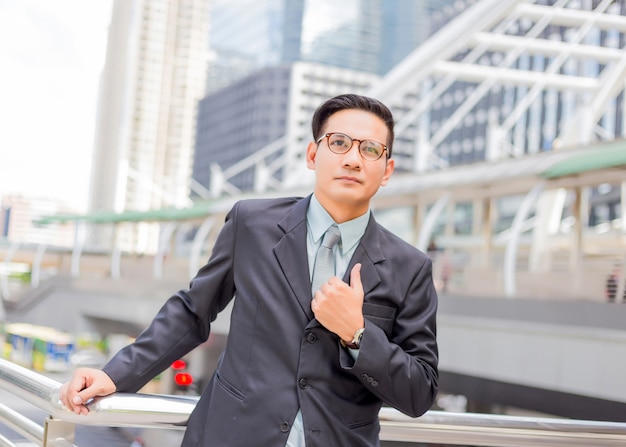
[284, 427]
[302, 383]
[311, 337]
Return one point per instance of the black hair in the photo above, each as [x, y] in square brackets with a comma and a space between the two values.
[352, 101]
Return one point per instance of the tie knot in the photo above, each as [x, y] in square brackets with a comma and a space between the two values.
[331, 237]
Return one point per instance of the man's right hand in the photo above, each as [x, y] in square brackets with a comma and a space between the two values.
[85, 384]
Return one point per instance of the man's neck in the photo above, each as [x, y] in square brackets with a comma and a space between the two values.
[342, 212]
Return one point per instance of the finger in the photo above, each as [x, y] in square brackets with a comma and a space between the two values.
[84, 386]
[63, 392]
[83, 397]
[76, 404]
[101, 386]
[329, 283]
[69, 390]
[355, 279]
[315, 302]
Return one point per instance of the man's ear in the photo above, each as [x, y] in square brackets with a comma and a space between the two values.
[311, 153]
[391, 163]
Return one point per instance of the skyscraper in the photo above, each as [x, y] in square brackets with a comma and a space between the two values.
[155, 73]
[364, 35]
[251, 83]
[270, 107]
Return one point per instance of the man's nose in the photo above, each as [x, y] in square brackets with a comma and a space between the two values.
[354, 153]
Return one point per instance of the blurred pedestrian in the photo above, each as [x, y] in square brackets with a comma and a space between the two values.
[612, 284]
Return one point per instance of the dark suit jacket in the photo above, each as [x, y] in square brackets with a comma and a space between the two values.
[278, 357]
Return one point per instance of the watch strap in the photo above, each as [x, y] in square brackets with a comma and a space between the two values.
[355, 343]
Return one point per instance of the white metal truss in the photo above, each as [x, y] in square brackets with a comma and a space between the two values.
[458, 53]
[489, 47]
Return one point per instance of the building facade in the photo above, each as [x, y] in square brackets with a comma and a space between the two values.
[251, 81]
[17, 214]
[154, 75]
[257, 111]
[362, 35]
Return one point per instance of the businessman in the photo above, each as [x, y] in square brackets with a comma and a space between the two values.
[333, 315]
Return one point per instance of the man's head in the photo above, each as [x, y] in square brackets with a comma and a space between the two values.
[352, 101]
[349, 154]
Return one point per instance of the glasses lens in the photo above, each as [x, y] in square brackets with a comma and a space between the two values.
[371, 150]
[339, 143]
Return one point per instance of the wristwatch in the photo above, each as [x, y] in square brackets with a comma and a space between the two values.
[356, 340]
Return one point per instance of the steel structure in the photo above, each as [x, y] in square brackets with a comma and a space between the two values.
[527, 65]
[562, 34]
[493, 45]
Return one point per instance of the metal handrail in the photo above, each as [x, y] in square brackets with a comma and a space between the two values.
[21, 424]
[172, 412]
[117, 410]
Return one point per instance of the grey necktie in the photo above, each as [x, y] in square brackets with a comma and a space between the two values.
[324, 260]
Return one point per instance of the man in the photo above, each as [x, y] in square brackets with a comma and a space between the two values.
[299, 370]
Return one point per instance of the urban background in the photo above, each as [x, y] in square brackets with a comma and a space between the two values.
[510, 173]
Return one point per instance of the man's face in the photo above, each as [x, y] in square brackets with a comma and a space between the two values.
[345, 183]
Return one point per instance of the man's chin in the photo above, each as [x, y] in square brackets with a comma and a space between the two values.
[351, 200]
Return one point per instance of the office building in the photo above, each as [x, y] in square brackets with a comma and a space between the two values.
[154, 74]
[252, 84]
[18, 214]
[259, 110]
[363, 35]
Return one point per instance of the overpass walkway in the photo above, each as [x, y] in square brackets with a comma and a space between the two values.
[557, 356]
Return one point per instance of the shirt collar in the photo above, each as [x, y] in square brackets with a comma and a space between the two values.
[319, 220]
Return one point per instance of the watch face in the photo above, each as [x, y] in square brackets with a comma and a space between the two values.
[356, 340]
[357, 337]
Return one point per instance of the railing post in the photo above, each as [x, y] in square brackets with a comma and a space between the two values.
[58, 433]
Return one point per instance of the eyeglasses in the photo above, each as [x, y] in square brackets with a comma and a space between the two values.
[340, 143]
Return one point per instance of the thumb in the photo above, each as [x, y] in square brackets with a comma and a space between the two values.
[84, 396]
[355, 279]
[99, 384]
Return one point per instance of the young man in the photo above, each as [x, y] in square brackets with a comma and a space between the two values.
[301, 366]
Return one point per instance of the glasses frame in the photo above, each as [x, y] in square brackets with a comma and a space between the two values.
[330, 134]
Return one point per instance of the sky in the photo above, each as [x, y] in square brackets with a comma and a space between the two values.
[51, 57]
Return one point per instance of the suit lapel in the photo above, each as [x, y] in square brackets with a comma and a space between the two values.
[291, 253]
[369, 252]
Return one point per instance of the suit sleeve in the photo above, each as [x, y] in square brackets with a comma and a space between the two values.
[183, 322]
[402, 371]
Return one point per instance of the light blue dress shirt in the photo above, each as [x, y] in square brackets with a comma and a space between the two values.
[318, 220]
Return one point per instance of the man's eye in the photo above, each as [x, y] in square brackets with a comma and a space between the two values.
[372, 149]
[339, 142]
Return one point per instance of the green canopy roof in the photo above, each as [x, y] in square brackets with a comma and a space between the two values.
[198, 210]
[548, 165]
[607, 155]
